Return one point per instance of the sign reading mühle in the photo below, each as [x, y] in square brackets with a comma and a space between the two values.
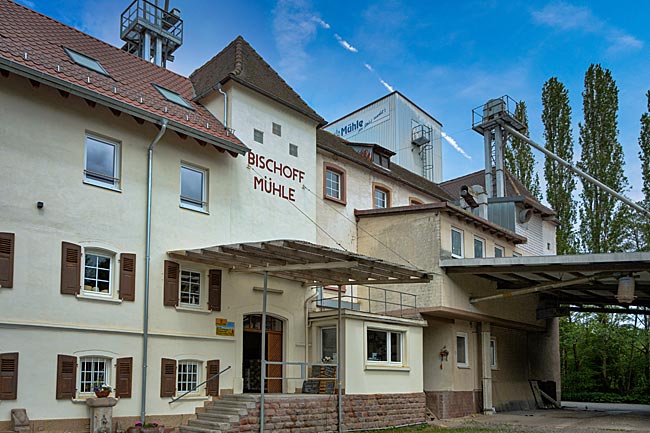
[362, 122]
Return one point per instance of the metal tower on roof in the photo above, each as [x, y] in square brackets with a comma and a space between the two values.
[151, 32]
[490, 120]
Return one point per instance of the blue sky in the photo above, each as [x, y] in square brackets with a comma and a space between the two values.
[448, 57]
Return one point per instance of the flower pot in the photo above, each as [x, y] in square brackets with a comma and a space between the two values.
[102, 393]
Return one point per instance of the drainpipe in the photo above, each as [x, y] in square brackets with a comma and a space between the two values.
[307, 301]
[145, 327]
[225, 106]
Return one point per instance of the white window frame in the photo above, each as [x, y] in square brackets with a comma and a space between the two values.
[466, 347]
[493, 353]
[383, 193]
[111, 280]
[91, 179]
[201, 285]
[328, 328]
[482, 242]
[190, 203]
[199, 366]
[389, 361]
[500, 248]
[108, 367]
[338, 195]
[462, 242]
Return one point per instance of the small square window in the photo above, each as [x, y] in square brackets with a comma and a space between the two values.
[93, 371]
[193, 188]
[462, 359]
[293, 150]
[381, 198]
[86, 62]
[457, 243]
[277, 129]
[499, 251]
[188, 376]
[174, 97]
[98, 270]
[102, 162]
[258, 136]
[384, 346]
[479, 248]
[190, 291]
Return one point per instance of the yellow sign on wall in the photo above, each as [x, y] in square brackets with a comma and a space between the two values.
[225, 328]
[220, 321]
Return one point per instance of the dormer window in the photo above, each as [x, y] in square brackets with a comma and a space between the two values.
[174, 97]
[381, 160]
[86, 62]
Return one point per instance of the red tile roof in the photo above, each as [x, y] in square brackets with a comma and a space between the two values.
[240, 62]
[32, 44]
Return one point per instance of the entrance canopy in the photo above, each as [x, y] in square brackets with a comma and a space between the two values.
[313, 265]
[582, 279]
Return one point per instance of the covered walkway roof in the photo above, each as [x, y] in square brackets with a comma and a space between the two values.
[581, 279]
[311, 264]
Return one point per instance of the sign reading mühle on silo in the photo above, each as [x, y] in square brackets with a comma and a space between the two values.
[396, 123]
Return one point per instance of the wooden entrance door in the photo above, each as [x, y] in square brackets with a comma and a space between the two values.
[274, 353]
[252, 353]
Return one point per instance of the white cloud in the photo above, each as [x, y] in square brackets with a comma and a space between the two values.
[320, 21]
[368, 67]
[294, 26]
[345, 44]
[455, 145]
[567, 17]
[386, 85]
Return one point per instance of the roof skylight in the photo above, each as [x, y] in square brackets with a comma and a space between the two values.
[86, 61]
[172, 96]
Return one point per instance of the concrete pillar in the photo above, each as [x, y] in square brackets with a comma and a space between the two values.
[486, 366]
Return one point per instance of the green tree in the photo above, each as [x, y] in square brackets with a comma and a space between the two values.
[642, 234]
[602, 226]
[560, 181]
[519, 158]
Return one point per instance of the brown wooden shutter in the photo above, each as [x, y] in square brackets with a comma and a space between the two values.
[127, 277]
[212, 387]
[8, 376]
[66, 377]
[7, 241]
[172, 278]
[124, 377]
[167, 377]
[214, 290]
[70, 268]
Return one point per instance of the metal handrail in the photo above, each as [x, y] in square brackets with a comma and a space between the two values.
[400, 305]
[199, 385]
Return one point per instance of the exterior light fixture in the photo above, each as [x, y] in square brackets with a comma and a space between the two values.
[626, 290]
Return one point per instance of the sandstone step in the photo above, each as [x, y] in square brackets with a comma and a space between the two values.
[209, 423]
[226, 410]
[218, 417]
[193, 429]
[242, 397]
[240, 404]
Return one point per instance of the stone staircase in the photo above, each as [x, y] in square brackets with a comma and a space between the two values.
[231, 414]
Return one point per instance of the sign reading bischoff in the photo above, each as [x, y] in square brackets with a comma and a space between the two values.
[362, 123]
[271, 185]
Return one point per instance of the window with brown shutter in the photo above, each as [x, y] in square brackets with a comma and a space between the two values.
[66, 377]
[124, 375]
[70, 268]
[167, 377]
[127, 277]
[7, 241]
[212, 387]
[172, 271]
[214, 290]
[8, 376]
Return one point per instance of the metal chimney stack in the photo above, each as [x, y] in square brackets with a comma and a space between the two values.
[151, 32]
[489, 121]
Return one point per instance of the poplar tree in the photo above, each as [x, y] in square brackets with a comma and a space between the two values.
[601, 215]
[519, 158]
[560, 181]
[642, 235]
